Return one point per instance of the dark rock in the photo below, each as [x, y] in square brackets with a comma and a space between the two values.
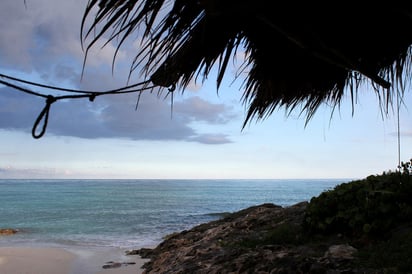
[218, 246]
[145, 253]
[111, 264]
[260, 239]
[343, 251]
[132, 252]
[8, 231]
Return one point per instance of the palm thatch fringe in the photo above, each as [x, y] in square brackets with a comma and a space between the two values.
[296, 55]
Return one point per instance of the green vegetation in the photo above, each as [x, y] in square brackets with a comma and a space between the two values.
[369, 207]
[283, 234]
[394, 253]
[374, 215]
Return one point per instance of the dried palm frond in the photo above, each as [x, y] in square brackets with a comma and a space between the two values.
[298, 55]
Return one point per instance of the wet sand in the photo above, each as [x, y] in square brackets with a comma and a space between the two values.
[45, 260]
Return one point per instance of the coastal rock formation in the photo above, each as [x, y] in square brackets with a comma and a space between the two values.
[112, 264]
[7, 231]
[260, 239]
[272, 239]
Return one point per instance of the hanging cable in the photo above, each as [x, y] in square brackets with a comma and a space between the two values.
[75, 94]
[126, 89]
[399, 128]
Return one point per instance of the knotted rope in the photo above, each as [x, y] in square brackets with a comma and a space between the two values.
[43, 117]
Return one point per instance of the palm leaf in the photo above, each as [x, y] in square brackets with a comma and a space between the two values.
[298, 56]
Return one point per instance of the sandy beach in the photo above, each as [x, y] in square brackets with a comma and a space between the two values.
[45, 260]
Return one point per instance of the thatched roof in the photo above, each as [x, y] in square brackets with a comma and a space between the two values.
[297, 54]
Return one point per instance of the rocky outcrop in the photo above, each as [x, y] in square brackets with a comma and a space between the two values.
[261, 239]
[8, 231]
[113, 264]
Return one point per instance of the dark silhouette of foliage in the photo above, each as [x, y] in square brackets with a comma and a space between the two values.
[297, 56]
[301, 55]
[370, 207]
[406, 167]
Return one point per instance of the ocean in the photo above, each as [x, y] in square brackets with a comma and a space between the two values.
[132, 214]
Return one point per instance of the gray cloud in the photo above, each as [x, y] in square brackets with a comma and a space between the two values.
[212, 139]
[11, 172]
[111, 117]
[43, 40]
[18, 111]
[43, 29]
[201, 110]
[116, 117]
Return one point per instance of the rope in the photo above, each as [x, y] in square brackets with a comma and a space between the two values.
[398, 129]
[126, 89]
[43, 117]
[22, 89]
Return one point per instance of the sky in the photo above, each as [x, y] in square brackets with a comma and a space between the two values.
[201, 137]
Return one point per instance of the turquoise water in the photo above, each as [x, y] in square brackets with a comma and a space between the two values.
[132, 213]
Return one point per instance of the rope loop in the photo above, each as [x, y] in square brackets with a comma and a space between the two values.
[44, 115]
[76, 94]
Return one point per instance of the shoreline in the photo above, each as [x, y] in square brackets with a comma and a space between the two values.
[68, 260]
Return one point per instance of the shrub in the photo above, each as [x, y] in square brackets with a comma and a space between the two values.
[371, 206]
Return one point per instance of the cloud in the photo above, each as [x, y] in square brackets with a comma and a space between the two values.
[212, 139]
[43, 40]
[17, 110]
[113, 117]
[9, 172]
[65, 73]
[199, 109]
[116, 117]
[17, 36]
[43, 31]
[4, 170]
[99, 55]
